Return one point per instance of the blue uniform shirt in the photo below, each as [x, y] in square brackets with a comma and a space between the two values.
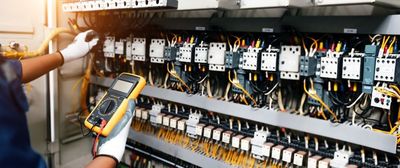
[15, 146]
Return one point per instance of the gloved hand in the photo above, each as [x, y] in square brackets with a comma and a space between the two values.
[81, 46]
[114, 144]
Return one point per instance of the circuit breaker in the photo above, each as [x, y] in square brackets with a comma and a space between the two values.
[139, 49]
[257, 143]
[352, 68]
[232, 59]
[191, 124]
[289, 62]
[331, 65]
[251, 59]
[109, 47]
[380, 100]
[186, 53]
[170, 53]
[269, 60]
[200, 54]
[216, 57]
[128, 49]
[155, 115]
[156, 51]
[387, 69]
[308, 66]
[120, 47]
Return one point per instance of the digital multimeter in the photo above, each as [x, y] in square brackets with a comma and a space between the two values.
[112, 106]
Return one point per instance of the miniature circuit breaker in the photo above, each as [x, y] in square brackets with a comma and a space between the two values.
[155, 115]
[120, 47]
[191, 124]
[257, 144]
[156, 51]
[139, 49]
[109, 47]
[289, 62]
[216, 57]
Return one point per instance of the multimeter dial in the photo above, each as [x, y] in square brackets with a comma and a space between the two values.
[107, 107]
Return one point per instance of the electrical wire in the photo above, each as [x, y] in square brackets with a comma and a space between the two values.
[236, 83]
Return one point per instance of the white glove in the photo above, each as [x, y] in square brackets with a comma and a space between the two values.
[79, 47]
[114, 144]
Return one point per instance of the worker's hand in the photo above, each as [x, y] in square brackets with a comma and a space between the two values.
[81, 46]
[114, 144]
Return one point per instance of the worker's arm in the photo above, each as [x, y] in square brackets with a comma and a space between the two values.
[103, 162]
[113, 146]
[33, 68]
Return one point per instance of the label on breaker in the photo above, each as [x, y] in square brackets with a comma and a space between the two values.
[236, 141]
[217, 134]
[182, 125]
[199, 129]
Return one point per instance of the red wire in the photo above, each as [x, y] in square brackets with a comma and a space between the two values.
[96, 140]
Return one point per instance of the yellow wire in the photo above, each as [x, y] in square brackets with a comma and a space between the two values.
[390, 49]
[173, 73]
[316, 97]
[238, 85]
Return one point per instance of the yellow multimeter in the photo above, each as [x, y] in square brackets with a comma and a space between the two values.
[112, 106]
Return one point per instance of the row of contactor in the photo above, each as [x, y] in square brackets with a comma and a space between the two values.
[288, 60]
[96, 5]
[257, 146]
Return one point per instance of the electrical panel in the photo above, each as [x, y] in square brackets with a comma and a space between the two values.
[251, 59]
[109, 47]
[269, 60]
[387, 69]
[139, 49]
[156, 51]
[186, 53]
[331, 66]
[216, 56]
[201, 54]
[352, 68]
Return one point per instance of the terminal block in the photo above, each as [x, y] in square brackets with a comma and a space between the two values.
[216, 135]
[387, 69]
[257, 144]
[191, 124]
[352, 68]
[216, 57]
[109, 47]
[170, 53]
[155, 115]
[200, 54]
[139, 49]
[251, 59]
[269, 60]
[227, 136]
[236, 141]
[156, 51]
[308, 66]
[208, 131]
[186, 53]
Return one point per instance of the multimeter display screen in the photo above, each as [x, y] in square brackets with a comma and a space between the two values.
[122, 86]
